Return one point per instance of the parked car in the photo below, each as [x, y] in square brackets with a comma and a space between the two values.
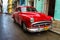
[31, 20]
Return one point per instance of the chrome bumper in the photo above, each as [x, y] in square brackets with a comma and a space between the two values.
[38, 29]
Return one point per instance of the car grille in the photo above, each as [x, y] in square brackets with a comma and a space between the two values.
[42, 23]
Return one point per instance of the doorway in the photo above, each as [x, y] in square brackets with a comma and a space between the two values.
[51, 8]
[31, 2]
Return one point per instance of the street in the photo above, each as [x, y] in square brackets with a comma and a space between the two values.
[11, 31]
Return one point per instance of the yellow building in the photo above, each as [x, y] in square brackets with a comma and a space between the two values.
[10, 6]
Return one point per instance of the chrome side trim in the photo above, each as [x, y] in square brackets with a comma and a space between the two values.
[40, 22]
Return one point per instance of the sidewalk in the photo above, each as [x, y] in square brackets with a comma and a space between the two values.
[56, 27]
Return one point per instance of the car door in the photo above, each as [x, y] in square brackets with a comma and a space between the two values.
[18, 10]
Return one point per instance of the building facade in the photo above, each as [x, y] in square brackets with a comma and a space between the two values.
[40, 5]
[45, 6]
[57, 17]
[10, 6]
[57, 10]
[0, 6]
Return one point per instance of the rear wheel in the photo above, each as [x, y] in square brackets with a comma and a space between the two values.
[14, 20]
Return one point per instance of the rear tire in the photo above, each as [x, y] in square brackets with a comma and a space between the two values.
[14, 20]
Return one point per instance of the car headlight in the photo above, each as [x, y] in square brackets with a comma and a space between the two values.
[52, 18]
[31, 20]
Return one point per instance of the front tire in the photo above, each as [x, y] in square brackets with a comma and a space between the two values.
[24, 27]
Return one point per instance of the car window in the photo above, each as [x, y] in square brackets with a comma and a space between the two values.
[31, 9]
[34, 9]
[23, 9]
[18, 9]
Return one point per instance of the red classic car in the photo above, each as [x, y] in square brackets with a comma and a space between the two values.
[31, 20]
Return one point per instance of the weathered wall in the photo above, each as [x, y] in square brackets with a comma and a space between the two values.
[22, 2]
[39, 5]
[46, 6]
[10, 6]
[0, 5]
[57, 10]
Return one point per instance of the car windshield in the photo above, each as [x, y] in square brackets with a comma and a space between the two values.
[29, 9]
[23, 9]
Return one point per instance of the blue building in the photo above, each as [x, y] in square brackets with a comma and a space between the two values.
[22, 2]
[57, 10]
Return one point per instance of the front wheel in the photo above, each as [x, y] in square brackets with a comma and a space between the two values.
[24, 27]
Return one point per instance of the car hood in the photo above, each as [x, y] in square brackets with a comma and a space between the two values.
[37, 16]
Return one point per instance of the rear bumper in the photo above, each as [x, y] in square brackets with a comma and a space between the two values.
[38, 29]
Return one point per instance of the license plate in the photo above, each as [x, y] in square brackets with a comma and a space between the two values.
[46, 28]
[38, 29]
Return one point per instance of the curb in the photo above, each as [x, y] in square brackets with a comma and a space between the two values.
[57, 32]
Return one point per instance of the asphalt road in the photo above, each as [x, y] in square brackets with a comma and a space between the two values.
[11, 31]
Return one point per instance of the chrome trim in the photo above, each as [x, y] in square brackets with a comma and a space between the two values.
[35, 30]
[40, 22]
[38, 29]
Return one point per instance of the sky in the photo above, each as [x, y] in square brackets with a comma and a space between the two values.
[5, 3]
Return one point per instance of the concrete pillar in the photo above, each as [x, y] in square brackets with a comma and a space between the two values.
[26, 2]
[46, 6]
[35, 1]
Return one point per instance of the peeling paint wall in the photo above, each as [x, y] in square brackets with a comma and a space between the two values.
[57, 10]
[22, 2]
[39, 5]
